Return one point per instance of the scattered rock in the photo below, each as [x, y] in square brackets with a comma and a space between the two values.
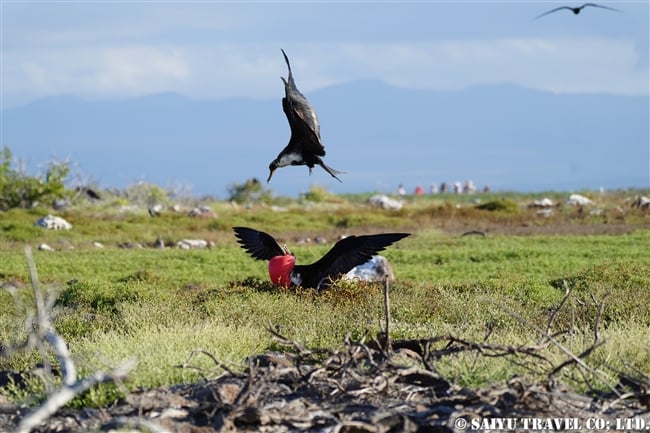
[578, 200]
[202, 212]
[53, 223]
[320, 240]
[544, 203]
[384, 202]
[189, 244]
[45, 247]
[130, 245]
[98, 244]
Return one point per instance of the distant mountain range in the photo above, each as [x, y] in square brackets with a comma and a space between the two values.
[509, 137]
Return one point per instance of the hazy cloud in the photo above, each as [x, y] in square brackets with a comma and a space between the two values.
[222, 50]
[140, 69]
[572, 65]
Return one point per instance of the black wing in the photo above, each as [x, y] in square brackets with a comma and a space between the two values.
[259, 245]
[600, 6]
[301, 115]
[554, 10]
[345, 255]
[303, 140]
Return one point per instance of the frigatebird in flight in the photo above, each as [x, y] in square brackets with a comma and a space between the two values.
[577, 10]
[345, 254]
[305, 146]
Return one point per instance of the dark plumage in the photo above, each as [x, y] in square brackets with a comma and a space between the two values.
[89, 192]
[576, 10]
[305, 146]
[344, 255]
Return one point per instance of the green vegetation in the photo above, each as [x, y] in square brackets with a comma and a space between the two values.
[17, 189]
[159, 304]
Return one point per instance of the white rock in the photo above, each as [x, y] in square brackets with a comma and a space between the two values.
[545, 202]
[188, 244]
[202, 212]
[98, 244]
[53, 223]
[376, 269]
[45, 247]
[385, 202]
[578, 200]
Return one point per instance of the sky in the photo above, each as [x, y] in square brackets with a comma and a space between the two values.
[213, 50]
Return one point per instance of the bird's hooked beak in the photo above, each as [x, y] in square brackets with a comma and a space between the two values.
[272, 168]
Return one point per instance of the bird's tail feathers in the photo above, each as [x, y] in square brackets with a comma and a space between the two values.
[331, 171]
[286, 59]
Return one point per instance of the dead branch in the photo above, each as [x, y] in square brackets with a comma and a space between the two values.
[41, 331]
[601, 309]
[216, 362]
[567, 293]
[66, 393]
[575, 358]
[386, 347]
[139, 424]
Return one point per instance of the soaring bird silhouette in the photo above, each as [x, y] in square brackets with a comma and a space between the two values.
[305, 146]
[576, 10]
[344, 255]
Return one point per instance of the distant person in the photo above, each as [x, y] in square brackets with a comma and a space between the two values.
[434, 188]
[419, 190]
[486, 188]
[458, 188]
[401, 190]
[443, 187]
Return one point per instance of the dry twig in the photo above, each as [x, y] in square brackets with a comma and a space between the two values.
[41, 331]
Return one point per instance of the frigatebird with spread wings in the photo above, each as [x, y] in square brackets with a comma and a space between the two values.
[345, 254]
[577, 10]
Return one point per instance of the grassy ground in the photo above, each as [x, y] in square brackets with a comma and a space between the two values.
[160, 304]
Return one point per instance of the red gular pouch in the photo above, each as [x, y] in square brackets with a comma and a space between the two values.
[280, 268]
